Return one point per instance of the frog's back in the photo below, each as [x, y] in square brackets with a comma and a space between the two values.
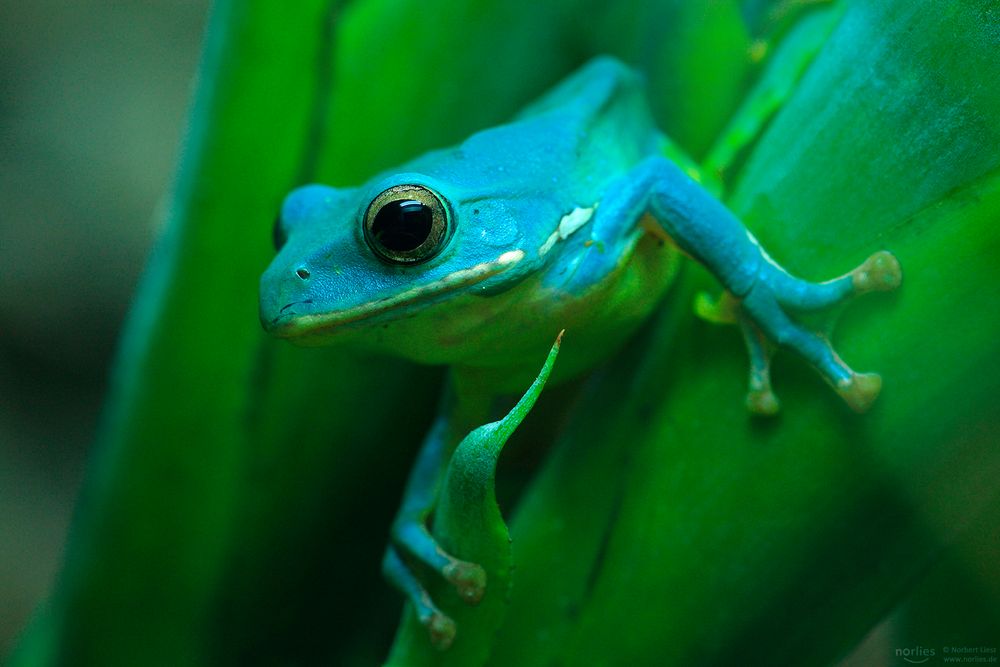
[605, 111]
[589, 129]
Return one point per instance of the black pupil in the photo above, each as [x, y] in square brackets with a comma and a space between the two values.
[402, 225]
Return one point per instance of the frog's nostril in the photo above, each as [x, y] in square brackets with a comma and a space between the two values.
[302, 273]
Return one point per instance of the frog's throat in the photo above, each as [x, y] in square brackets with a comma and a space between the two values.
[315, 323]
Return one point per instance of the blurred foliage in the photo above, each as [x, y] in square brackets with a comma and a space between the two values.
[92, 95]
[236, 506]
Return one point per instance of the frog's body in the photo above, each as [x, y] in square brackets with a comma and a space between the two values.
[524, 198]
[569, 217]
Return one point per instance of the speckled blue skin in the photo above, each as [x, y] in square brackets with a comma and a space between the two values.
[492, 301]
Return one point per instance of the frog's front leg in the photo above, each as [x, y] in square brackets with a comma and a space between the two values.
[762, 296]
[412, 545]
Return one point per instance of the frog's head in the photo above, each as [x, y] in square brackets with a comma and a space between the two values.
[357, 260]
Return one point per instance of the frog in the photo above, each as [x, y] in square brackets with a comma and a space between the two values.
[573, 217]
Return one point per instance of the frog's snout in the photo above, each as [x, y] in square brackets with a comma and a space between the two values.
[283, 296]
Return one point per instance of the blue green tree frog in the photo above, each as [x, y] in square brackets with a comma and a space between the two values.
[476, 256]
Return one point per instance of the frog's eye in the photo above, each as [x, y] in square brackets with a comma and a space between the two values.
[278, 234]
[406, 224]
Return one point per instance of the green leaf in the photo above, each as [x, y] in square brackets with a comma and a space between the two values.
[468, 525]
[150, 534]
[712, 538]
[207, 474]
[696, 54]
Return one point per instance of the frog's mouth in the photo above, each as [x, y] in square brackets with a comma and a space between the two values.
[291, 324]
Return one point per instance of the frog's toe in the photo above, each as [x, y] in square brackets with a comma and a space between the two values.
[879, 273]
[439, 626]
[860, 390]
[763, 402]
[760, 398]
[441, 630]
[468, 579]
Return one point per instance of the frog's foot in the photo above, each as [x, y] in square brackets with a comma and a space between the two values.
[878, 273]
[440, 627]
[412, 541]
[411, 537]
[468, 579]
[860, 390]
[764, 315]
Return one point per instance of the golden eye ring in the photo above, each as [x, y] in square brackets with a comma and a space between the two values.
[407, 224]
